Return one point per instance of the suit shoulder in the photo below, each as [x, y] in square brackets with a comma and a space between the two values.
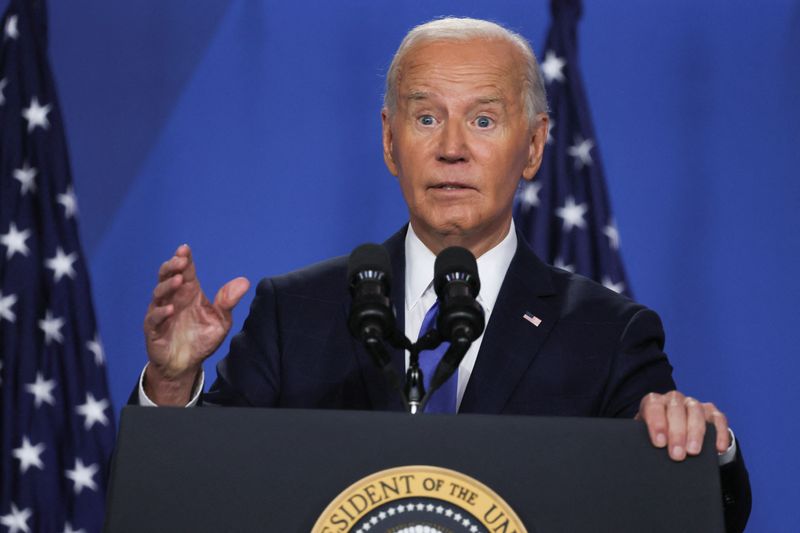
[323, 280]
[585, 299]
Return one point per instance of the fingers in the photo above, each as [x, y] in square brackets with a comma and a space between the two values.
[676, 418]
[172, 275]
[230, 294]
[654, 415]
[166, 288]
[189, 272]
[720, 421]
[679, 422]
[695, 426]
[180, 263]
[156, 316]
[172, 266]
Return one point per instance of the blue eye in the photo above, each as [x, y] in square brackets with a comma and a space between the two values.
[426, 120]
[483, 122]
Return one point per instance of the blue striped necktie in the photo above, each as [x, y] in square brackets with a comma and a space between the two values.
[444, 399]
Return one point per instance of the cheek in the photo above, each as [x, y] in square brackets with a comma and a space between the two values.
[413, 194]
[411, 166]
[407, 155]
[503, 163]
[499, 195]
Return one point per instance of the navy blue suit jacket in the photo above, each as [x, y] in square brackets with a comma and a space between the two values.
[595, 353]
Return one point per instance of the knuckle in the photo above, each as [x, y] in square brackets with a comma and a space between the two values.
[677, 432]
[697, 424]
[658, 429]
[674, 397]
[158, 291]
[675, 441]
[650, 399]
[653, 411]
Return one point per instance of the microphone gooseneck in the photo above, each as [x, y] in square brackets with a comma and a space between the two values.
[372, 319]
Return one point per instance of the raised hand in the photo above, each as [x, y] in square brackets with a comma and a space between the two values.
[182, 327]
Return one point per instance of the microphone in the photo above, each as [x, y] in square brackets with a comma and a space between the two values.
[456, 282]
[461, 318]
[372, 319]
[370, 280]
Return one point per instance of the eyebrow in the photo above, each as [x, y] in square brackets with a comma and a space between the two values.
[415, 96]
[418, 95]
[490, 100]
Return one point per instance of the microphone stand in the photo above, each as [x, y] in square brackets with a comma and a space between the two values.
[414, 390]
[413, 394]
[415, 380]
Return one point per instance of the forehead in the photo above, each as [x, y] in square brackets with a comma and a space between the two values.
[477, 64]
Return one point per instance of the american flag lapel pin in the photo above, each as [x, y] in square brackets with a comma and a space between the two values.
[533, 319]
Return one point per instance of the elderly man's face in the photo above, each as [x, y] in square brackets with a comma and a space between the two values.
[460, 140]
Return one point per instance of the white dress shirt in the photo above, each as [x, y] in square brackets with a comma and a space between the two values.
[420, 295]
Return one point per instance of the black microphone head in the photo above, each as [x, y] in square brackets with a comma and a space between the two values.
[456, 264]
[370, 262]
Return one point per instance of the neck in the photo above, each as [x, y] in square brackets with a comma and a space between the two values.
[477, 242]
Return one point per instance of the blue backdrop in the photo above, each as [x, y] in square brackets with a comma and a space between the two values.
[251, 131]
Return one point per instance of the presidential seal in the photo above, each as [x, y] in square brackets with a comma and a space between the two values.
[418, 499]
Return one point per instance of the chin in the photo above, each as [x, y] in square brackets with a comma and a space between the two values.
[455, 228]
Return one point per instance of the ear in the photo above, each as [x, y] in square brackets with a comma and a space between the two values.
[388, 156]
[536, 147]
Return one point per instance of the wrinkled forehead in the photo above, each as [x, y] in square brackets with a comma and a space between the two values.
[476, 62]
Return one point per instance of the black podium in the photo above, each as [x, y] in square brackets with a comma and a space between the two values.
[232, 469]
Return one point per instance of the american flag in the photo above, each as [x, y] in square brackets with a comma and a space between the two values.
[565, 213]
[56, 425]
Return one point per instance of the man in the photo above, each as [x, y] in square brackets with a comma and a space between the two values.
[464, 118]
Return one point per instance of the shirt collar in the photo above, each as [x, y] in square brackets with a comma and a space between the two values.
[492, 267]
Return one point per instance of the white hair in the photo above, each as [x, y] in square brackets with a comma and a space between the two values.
[466, 29]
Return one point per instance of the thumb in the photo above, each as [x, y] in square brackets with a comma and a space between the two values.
[229, 294]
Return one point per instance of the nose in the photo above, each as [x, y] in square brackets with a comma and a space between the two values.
[453, 143]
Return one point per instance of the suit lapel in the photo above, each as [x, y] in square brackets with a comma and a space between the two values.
[381, 394]
[511, 342]
[396, 245]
